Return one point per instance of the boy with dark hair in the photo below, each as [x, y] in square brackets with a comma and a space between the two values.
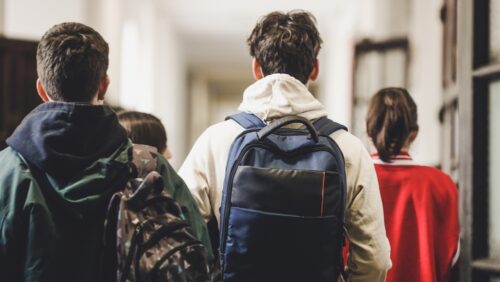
[286, 43]
[64, 161]
[284, 47]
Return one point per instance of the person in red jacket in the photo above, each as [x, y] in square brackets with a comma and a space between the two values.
[420, 202]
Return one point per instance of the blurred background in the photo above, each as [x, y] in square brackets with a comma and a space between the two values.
[187, 62]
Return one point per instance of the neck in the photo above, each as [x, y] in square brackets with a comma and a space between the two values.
[95, 101]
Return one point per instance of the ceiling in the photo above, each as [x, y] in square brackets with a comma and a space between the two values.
[214, 32]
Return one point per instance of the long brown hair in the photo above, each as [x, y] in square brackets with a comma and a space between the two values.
[144, 128]
[392, 116]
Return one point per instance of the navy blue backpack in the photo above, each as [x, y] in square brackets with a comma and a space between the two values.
[283, 203]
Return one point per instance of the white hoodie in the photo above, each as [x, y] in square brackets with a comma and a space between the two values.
[279, 95]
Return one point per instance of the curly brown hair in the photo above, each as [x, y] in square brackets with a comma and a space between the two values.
[286, 43]
[72, 59]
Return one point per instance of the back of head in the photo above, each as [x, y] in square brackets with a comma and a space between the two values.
[143, 128]
[286, 43]
[392, 116]
[72, 60]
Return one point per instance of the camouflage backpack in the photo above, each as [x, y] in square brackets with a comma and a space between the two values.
[146, 239]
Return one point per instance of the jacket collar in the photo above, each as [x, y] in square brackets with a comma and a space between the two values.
[403, 158]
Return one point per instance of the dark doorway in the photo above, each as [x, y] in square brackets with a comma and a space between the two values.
[17, 84]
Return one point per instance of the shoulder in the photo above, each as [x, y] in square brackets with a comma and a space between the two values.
[211, 147]
[351, 146]
[17, 184]
[168, 173]
[433, 174]
[227, 128]
[420, 171]
[427, 177]
[11, 164]
[220, 135]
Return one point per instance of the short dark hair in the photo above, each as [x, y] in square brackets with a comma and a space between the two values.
[286, 43]
[144, 128]
[392, 116]
[72, 59]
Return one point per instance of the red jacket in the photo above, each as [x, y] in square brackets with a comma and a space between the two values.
[421, 219]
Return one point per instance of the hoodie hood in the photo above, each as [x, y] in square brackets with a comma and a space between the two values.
[62, 139]
[79, 155]
[279, 95]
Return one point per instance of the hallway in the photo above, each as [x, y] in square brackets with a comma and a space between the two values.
[188, 63]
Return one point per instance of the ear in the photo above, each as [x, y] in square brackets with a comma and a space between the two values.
[315, 71]
[167, 154]
[412, 136]
[103, 87]
[41, 91]
[256, 69]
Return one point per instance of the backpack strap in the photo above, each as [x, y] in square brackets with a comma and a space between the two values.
[247, 120]
[326, 126]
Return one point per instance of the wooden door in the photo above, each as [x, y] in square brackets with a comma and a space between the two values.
[17, 84]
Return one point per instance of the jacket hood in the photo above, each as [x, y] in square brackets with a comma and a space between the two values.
[279, 95]
[62, 138]
[79, 155]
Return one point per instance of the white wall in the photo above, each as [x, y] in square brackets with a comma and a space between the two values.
[29, 19]
[170, 94]
[426, 45]
[335, 64]
[153, 74]
[416, 19]
[2, 16]
[106, 16]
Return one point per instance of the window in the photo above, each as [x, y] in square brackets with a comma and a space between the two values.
[377, 65]
[479, 100]
[448, 115]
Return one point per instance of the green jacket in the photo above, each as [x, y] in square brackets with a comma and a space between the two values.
[52, 211]
[55, 233]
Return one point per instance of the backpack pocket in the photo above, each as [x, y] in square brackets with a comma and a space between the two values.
[287, 191]
[264, 246]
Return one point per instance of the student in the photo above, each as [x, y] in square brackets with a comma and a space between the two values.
[63, 163]
[420, 202]
[53, 185]
[284, 47]
[146, 129]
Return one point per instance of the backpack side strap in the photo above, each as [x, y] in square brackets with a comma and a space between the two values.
[326, 126]
[247, 120]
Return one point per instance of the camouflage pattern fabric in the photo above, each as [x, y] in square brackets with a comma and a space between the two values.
[153, 243]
